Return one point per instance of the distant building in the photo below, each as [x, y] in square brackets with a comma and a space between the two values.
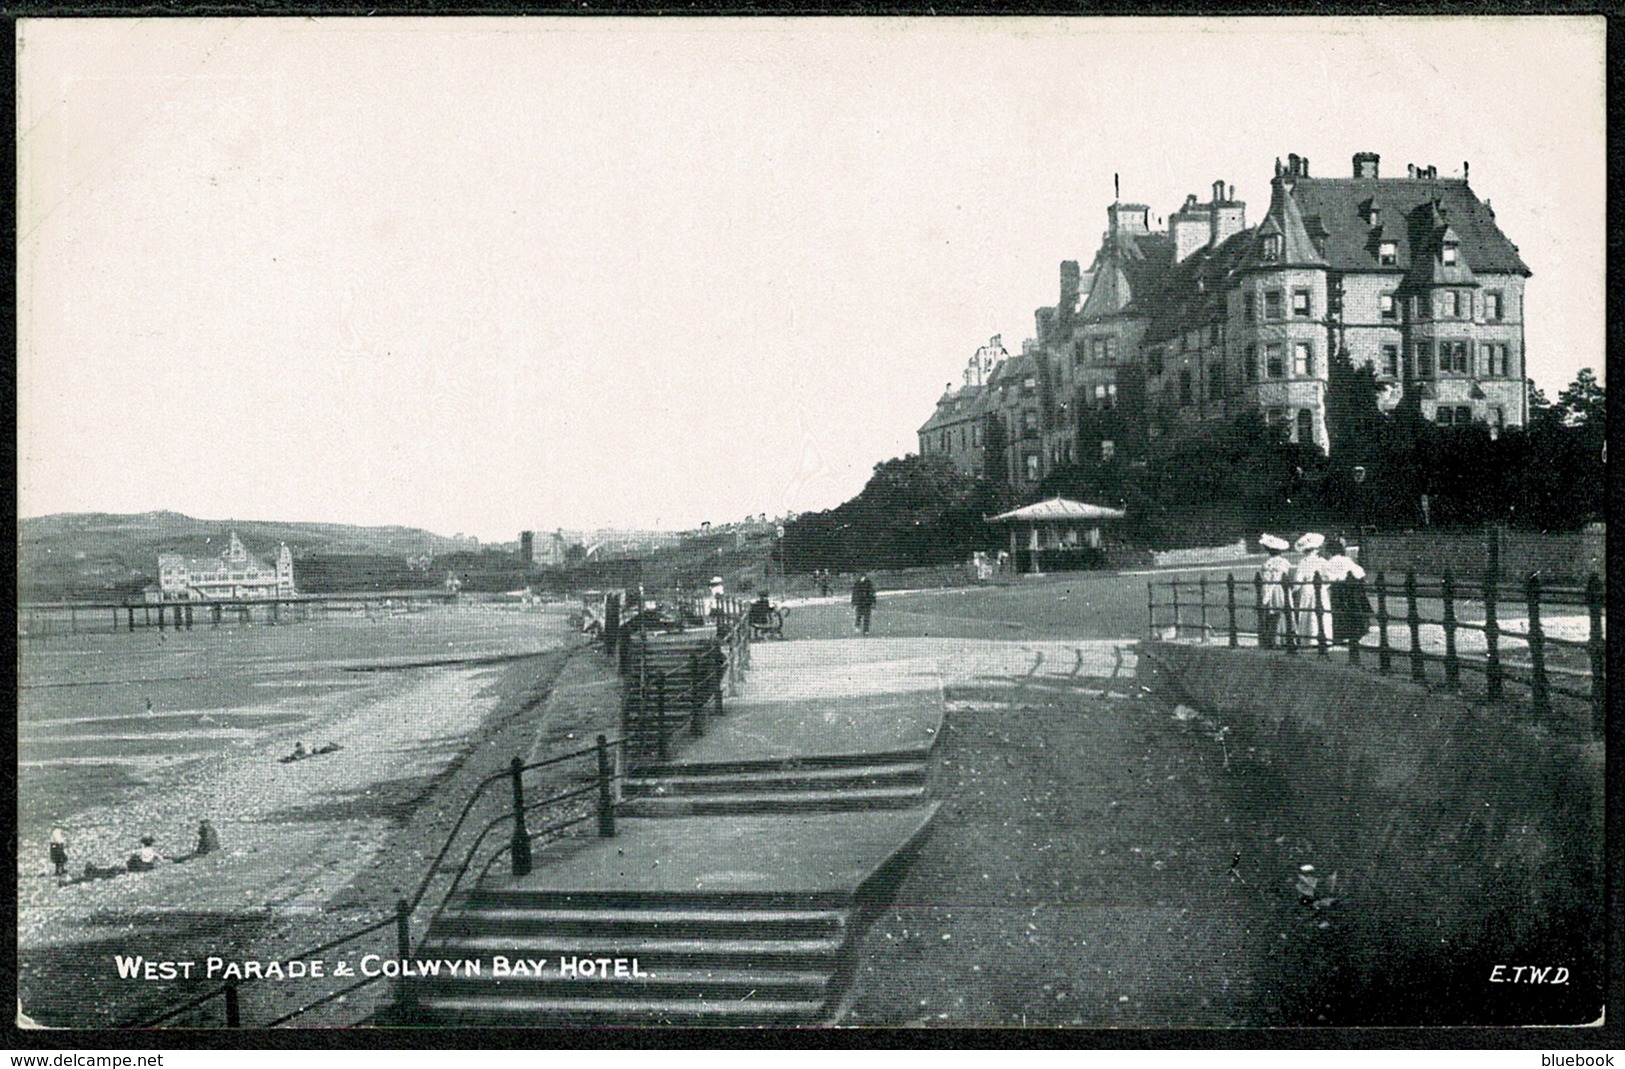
[234, 575]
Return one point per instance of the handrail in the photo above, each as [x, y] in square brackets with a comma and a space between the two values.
[1409, 606]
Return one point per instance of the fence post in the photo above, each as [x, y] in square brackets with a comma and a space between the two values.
[521, 837]
[1538, 693]
[1264, 641]
[606, 801]
[1230, 606]
[1598, 648]
[696, 696]
[1413, 619]
[1174, 586]
[1201, 592]
[234, 1013]
[403, 948]
[1322, 639]
[1492, 636]
[1290, 616]
[1150, 609]
[1384, 662]
[1452, 667]
[661, 748]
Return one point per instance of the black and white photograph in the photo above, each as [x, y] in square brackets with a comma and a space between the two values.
[938, 523]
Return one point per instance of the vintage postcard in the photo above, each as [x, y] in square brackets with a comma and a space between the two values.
[1083, 523]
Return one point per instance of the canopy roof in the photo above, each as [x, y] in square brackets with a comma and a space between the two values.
[1058, 508]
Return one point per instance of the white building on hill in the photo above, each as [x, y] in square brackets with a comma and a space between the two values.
[235, 574]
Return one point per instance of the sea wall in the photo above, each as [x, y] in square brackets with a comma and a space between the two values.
[1464, 836]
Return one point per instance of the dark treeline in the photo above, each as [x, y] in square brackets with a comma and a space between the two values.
[1388, 470]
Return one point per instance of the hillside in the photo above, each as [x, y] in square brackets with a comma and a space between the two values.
[92, 555]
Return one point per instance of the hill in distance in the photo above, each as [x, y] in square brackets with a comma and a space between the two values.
[98, 554]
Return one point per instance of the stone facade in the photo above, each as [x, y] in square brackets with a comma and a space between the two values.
[1170, 331]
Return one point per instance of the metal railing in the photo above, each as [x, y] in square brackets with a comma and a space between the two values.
[516, 845]
[1544, 665]
[653, 687]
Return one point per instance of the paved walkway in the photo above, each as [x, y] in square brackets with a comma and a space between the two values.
[800, 699]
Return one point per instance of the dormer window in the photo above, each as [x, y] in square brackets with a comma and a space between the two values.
[1273, 245]
[1448, 253]
[1373, 215]
[1388, 253]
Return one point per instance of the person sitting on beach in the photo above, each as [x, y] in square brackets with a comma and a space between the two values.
[146, 858]
[208, 840]
[299, 751]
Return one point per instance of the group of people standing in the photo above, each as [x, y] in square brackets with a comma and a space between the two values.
[1335, 609]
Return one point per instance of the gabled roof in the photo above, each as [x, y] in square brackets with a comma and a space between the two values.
[1126, 264]
[1341, 205]
[1286, 220]
[1058, 508]
[971, 401]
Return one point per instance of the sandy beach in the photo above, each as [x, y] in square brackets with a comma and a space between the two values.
[298, 840]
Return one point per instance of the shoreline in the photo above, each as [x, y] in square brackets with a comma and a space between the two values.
[306, 847]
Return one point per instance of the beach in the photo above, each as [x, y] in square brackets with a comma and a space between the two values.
[406, 699]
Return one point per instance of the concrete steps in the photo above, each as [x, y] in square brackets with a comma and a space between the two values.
[831, 784]
[716, 958]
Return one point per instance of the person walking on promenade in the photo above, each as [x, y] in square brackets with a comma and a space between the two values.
[1351, 613]
[863, 602]
[1273, 602]
[1314, 613]
[59, 852]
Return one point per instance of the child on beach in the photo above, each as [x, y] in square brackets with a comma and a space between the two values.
[59, 852]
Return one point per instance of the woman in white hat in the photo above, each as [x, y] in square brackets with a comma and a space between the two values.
[1314, 613]
[1273, 601]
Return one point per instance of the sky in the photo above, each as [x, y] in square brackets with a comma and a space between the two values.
[483, 276]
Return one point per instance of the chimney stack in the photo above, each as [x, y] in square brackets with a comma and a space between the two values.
[1365, 165]
[1191, 227]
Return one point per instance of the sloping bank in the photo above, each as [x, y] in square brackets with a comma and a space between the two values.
[1466, 839]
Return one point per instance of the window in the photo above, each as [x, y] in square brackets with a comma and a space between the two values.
[1444, 416]
[942, 441]
[1306, 427]
[1388, 253]
[961, 437]
[1300, 304]
[1104, 350]
[1272, 304]
[1108, 449]
[1386, 305]
[1453, 358]
[1492, 306]
[1272, 247]
[1077, 353]
[1106, 395]
[1213, 334]
[1303, 360]
[1185, 386]
[1029, 420]
[1153, 361]
[1424, 360]
[1495, 360]
[1250, 364]
[1029, 384]
[975, 437]
[1215, 381]
[1249, 307]
[1448, 253]
[1032, 467]
[1274, 362]
[1450, 304]
[1390, 361]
